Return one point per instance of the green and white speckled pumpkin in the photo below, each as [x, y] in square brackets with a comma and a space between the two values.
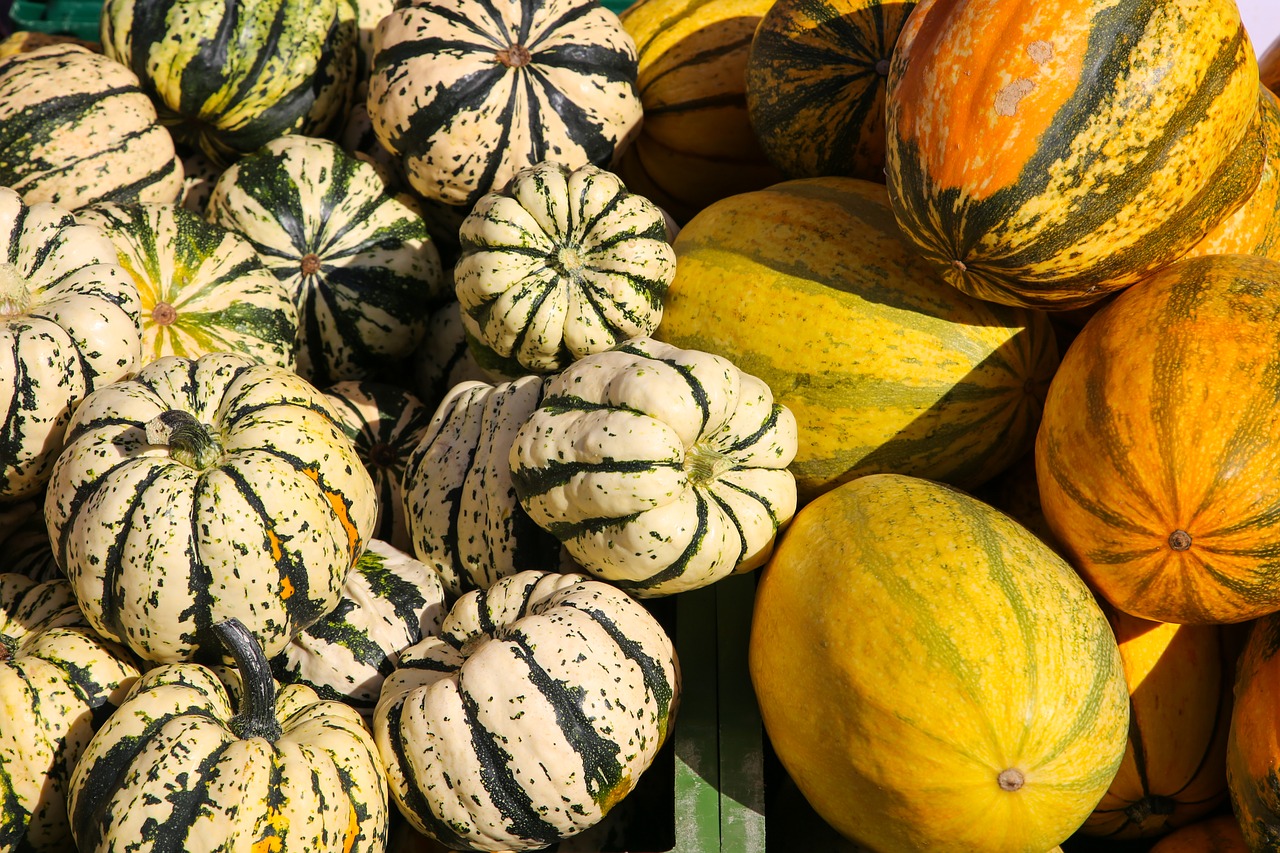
[229, 77]
[661, 469]
[203, 288]
[385, 423]
[58, 682]
[68, 324]
[76, 127]
[461, 509]
[469, 92]
[390, 601]
[560, 264]
[179, 767]
[205, 489]
[536, 709]
[358, 261]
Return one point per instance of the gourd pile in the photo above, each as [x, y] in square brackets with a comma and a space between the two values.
[374, 367]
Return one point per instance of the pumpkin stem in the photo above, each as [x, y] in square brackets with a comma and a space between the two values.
[1140, 811]
[257, 715]
[15, 296]
[1011, 779]
[189, 441]
[703, 463]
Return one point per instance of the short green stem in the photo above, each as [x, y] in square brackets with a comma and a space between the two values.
[257, 714]
[189, 441]
[703, 463]
[15, 294]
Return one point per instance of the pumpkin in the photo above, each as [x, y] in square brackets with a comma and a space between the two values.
[811, 286]
[69, 323]
[390, 601]
[460, 505]
[203, 288]
[660, 469]
[385, 424]
[444, 359]
[1220, 834]
[1027, 180]
[467, 93]
[177, 767]
[22, 41]
[1253, 765]
[560, 264]
[58, 682]
[202, 489]
[357, 261]
[1156, 452]
[229, 78]
[1269, 66]
[931, 675]
[816, 85]
[76, 128]
[531, 715]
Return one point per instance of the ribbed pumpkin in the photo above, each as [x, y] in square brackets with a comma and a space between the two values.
[58, 681]
[560, 264]
[811, 286]
[1068, 162]
[357, 261]
[1156, 455]
[203, 288]
[68, 324]
[696, 145]
[244, 499]
[385, 423]
[230, 77]
[931, 675]
[816, 84]
[530, 716]
[1219, 834]
[76, 127]
[179, 767]
[469, 92]
[1253, 764]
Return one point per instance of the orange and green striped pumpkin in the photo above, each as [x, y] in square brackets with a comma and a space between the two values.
[1253, 763]
[1156, 455]
[1048, 152]
[810, 286]
[816, 84]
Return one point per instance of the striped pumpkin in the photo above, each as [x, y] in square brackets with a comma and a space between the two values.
[816, 85]
[1027, 179]
[1155, 457]
[230, 77]
[203, 288]
[385, 424]
[1253, 764]
[178, 767]
[390, 602]
[469, 92]
[932, 676]
[357, 261]
[205, 489]
[58, 682]
[76, 128]
[660, 469]
[68, 324]
[460, 505]
[560, 264]
[530, 716]
[885, 366]
[696, 144]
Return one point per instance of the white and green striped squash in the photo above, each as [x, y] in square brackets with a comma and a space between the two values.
[69, 322]
[390, 602]
[460, 505]
[229, 77]
[660, 469]
[469, 92]
[204, 489]
[203, 288]
[358, 261]
[533, 712]
[385, 423]
[58, 681]
[444, 359]
[559, 264]
[180, 766]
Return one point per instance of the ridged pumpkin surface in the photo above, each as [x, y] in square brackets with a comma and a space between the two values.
[1014, 158]
[1157, 453]
[932, 676]
[1253, 762]
[810, 286]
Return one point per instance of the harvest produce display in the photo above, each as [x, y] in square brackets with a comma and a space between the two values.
[665, 426]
